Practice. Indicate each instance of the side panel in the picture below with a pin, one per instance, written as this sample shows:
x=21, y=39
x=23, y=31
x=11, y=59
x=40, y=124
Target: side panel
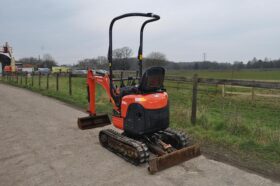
x=141, y=121
x=117, y=122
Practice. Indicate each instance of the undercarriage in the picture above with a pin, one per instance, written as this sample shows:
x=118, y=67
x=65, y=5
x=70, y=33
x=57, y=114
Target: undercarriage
x=161, y=150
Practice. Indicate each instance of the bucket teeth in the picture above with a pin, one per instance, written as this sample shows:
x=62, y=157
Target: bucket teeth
x=173, y=158
x=90, y=122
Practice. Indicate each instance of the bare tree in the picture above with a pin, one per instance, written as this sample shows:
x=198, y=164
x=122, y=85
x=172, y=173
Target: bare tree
x=122, y=53
x=48, y=61
x=48, y=57
x=127, y=52
x=87, y=63
x=121, y=56
x=102, y=62
x=155, y=59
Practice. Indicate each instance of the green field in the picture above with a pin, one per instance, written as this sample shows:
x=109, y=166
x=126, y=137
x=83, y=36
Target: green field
x=250, y=129
x=231, y=74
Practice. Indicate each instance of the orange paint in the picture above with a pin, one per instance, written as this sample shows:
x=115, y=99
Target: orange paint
x=117, y=122
x=148, y=101
x=8, y=69
x=104, y=81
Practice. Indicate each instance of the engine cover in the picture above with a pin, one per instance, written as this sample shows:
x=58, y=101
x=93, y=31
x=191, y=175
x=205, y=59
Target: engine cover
x=139, y=120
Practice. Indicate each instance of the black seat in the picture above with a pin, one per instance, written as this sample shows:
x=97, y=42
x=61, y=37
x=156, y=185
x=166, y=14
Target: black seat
x=152, y=80
x=128, y=90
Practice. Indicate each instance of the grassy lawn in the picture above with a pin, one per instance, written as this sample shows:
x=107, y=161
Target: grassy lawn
x=234, y=121
x=249, y=128
x=231, y=74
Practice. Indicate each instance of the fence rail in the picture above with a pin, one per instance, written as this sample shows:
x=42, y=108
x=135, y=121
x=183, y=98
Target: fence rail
x=234, y=82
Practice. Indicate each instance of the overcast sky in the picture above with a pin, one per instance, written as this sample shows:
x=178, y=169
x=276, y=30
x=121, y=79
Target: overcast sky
x=69, y=30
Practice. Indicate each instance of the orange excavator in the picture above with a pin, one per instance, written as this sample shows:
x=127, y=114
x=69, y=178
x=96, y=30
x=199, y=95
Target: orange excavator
x=7, y=61
x=140, y=110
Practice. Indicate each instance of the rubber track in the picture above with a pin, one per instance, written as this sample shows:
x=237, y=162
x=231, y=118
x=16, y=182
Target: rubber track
x=140, y=148
x=184, y=140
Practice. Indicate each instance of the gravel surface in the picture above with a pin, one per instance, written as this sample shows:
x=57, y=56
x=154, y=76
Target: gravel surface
x=40, y=144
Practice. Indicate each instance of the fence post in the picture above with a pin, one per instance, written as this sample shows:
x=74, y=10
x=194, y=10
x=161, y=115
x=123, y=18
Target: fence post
x=194, y=99
x=26, y=78
x=32, y=78
x=21, y=78
x=70, y=83
x=48, y=81
x=253, y=94
x=17, y=77
x=57, y=82
x=223, y=90
x=39, y=80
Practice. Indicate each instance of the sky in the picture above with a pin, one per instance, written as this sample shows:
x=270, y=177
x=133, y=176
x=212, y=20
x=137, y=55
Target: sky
x=72, y=30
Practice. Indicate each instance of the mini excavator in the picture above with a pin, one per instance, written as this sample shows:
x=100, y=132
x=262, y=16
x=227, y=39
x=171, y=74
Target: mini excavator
x=140, y=110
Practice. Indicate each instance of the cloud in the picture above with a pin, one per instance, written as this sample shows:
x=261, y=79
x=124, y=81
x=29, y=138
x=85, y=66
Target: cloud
x=71, y=30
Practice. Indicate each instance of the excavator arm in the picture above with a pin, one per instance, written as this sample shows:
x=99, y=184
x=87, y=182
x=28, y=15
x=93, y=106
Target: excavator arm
x=94, y=120
x=102, y=79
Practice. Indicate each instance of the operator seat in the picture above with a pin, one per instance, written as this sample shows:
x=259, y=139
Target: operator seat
x=151, y=82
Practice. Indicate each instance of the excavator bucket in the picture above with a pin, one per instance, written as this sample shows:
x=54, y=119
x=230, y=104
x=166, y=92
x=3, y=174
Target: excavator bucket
x=90, y=122
x=173, y=158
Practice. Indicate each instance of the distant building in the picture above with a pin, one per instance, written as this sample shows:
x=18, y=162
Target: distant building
x=26, y=65
x=29, y=70
x=19, y=66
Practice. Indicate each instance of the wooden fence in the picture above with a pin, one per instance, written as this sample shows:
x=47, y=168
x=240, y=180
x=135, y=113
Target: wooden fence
x=21, y=79
x=195, y=80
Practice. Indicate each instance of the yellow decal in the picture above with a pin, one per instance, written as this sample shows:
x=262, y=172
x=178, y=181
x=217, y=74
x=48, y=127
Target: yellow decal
x=140, y=57
x=140, y=99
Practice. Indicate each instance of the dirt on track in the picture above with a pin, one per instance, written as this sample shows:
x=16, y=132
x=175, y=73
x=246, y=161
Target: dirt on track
x=40, y=144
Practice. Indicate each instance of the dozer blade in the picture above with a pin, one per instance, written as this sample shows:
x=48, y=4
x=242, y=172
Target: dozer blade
x=173, y=158
x=90, y=122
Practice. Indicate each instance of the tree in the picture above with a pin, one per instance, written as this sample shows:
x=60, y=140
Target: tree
x=87, y=63
x=238, y=65
x=102, y=62
x=121, y=56
x=29, y=61
x=47, y=62
x=155, y=59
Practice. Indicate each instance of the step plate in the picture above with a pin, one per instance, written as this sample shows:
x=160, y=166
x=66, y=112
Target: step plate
x=173, y=158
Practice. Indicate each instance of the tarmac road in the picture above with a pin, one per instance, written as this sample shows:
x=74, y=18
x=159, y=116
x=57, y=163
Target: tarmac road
x=40, y=144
